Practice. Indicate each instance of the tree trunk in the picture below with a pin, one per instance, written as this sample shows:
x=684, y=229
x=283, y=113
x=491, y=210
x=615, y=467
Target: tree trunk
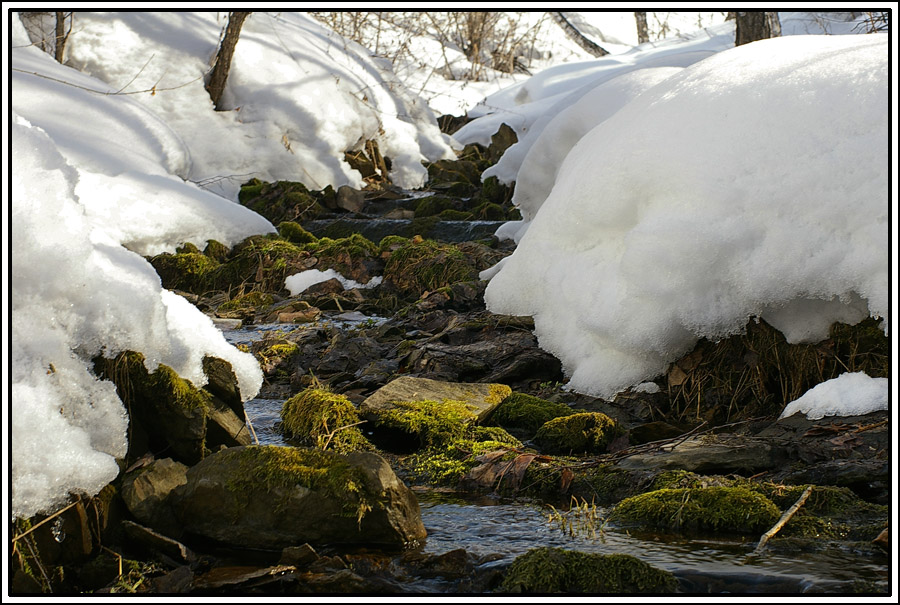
x=577, y=37
x=751, y=26
x=59, y=46
x=642, y=31
x=219, y=76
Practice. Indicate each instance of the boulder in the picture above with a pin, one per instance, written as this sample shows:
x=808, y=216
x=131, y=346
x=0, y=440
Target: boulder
x=482, y=398
x=146, y=490
x=719, y=454
x=274, y=497
x=350, y=199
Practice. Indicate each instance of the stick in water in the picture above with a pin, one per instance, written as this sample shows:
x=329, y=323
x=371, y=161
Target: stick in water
x=784, y=519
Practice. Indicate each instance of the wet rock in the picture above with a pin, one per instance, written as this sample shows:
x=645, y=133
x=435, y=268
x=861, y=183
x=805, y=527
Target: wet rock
x=330, y=286
x=346, y=354
x=275, y=497
x=298, y=556
x=146, y=491
x=580, y=433
x=178, y=581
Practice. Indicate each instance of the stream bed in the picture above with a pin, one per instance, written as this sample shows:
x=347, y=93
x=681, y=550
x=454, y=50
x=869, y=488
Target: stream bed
x=497, y=530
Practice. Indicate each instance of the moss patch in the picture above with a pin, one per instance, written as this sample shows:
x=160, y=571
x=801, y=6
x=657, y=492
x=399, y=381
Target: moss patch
x=189, y=271
x=426, y=265
x=316, y=417
x=716, y=509
x=283, y=200
x=330, y=474
x=247, y=302
x=527, y=413
x=555, y=570
x=432, y=423
x=585, y=432
x=294, y=233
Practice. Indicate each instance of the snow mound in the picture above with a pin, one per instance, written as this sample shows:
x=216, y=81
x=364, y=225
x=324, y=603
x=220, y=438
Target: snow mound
x=850, y=394
x=298, y=96
x=752, y=184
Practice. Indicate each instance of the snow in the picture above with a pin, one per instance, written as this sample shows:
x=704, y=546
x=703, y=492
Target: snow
x=119, y=155
x=751, y=184
x=298, y=96
x=298, y=282
x=850, y=394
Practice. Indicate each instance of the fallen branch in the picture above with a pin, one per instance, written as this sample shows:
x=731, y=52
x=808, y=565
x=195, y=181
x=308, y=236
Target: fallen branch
x=784, y=519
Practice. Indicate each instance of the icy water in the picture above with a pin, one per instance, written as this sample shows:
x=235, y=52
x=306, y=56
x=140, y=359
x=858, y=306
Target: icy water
x=500, y=530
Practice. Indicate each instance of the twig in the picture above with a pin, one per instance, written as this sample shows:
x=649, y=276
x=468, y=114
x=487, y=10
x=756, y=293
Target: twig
x=250, y=424
x=784, y=519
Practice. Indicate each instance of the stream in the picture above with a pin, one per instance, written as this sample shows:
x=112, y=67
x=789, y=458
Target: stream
x=497, y=530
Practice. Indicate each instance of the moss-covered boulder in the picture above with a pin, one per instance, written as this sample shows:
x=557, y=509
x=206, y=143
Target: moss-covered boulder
x=583, y=432
x=284, y=200
x=262, y=262
x=168, y=413
x=245, y=305
x=189, y=271
x=319, y=418
x=295, y=233
x=273, y=497
x=426, y=265
x=713, y=509
x=555, y=570
x=526, y=413
x=354, y=257
x=480, y=398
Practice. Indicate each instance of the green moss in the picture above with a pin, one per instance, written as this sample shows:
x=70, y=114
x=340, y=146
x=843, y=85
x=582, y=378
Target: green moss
x=263, y=260
x=434, y=423
x=346, y=255
x=317, y=417
x=555, y=570
x=585, y=432
x=189, y=271
x=433, y=205
x=521, y=411
x=804, y=525
x=455, y=215
x=187, y=248
x=249, y=301
x=283, y=200
x=294, y=233
x=426, y=265
x=675, y=479
x=489, y=211
x=495, y=433
x=389, y=243
x=216, y=250
x=423, y=225
x=318, y=470
x=447, y=464
x=716, y=509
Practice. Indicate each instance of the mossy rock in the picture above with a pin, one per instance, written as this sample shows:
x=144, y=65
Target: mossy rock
x=295, y=233
x=350, y=256
x=247, y=303
x=583, y=432
x=714, y=509
x=527, y=413
x=216, y=250
x=263, y=261
x=428, y=423
x=189, y=271
x=555, y=570
x=455, y=215
x=435, y=204
x=319, y=418
x=489, y=211
x=284, y=200
x=426, y=265
x=389, y=243
x=187, y=248
x=493, y=191
x=447, y=464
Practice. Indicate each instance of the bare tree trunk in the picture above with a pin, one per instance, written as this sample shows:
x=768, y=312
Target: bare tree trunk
x=642, y=31
x=219, y=76
x=577, y=37
x=751, y=26
x=62, y=34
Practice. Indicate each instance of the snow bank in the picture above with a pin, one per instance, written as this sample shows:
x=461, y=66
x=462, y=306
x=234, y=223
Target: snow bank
x=299, y=96
x=542, y=96
x=753, y=183
x=298, y=282
x=850, y=394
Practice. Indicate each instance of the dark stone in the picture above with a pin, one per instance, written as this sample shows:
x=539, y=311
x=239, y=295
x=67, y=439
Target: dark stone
x=154, y=543
x=146, y=491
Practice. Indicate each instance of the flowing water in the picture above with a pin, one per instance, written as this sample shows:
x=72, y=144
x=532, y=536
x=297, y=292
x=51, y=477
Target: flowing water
x=500, y=530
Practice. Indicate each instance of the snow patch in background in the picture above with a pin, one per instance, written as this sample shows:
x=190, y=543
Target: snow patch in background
x=850, y=394
x=299, y=282
x=751, y=184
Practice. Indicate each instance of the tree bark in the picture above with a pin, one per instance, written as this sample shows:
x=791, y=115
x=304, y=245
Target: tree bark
x=219, y=76
x=643, y=31
x=751, y=26
x=59, y=46
x=577, y=37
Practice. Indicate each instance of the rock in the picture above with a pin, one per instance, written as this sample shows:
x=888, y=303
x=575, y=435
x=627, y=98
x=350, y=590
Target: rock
x=306, y=316
x=526, y=414
x=481, y=398
x=722, y=454
x=146, y=491
x=501, y=140
x=555, y=570
x=580, y=433
x=178, y=581
x=884, y=539
x=155, y=544
x=329, y=286
x=298, y=556
x=350, y=199
x=275, y=497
